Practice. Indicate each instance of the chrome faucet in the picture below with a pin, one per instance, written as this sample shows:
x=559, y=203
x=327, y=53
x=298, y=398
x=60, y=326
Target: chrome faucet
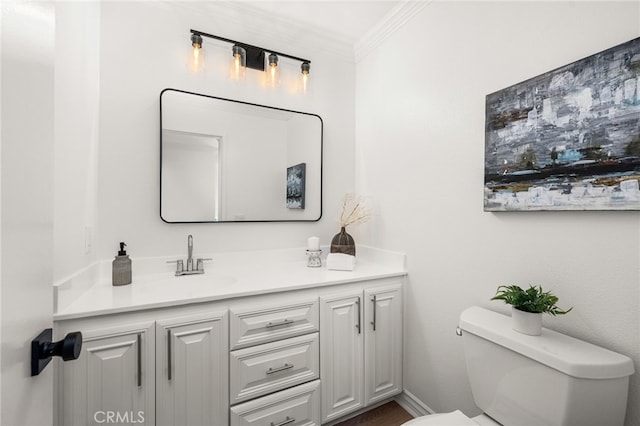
x=190, y=270
x=190, y=253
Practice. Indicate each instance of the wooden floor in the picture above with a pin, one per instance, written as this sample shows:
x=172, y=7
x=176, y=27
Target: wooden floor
x=390, y=414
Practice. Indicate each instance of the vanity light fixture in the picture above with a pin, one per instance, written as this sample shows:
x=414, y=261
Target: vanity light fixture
x=246, y=56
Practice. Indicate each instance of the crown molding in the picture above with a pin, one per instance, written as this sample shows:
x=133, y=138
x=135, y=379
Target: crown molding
x=260, y=27
x=393, y=21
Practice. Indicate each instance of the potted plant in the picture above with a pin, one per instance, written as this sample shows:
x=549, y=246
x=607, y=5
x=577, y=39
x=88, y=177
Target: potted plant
x=528, y=306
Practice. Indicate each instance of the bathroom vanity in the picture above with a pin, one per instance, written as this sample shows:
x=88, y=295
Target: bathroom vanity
x=273, y=343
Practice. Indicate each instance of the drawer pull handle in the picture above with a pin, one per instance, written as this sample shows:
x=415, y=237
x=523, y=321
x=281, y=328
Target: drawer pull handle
x=275, y=370
x=168, y=354
x=284, y=422
x=358, y=325
x=375, y=302
x=278, y=324
x=139, y=360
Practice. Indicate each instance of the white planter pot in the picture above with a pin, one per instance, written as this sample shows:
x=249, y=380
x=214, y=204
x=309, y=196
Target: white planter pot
x=526, y=322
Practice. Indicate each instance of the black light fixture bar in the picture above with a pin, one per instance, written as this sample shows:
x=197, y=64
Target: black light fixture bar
x=252, y=51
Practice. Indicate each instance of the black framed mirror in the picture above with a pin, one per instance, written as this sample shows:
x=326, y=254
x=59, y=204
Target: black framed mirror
x=223, y=160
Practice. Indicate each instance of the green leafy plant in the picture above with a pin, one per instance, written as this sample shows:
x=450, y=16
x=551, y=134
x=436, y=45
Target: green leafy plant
x=533, y=299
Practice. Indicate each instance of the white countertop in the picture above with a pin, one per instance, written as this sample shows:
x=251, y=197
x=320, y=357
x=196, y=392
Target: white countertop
x=228, y=275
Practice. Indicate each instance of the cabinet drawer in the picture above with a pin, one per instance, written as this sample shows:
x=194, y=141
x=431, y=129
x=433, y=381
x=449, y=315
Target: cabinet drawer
x=250, y=327
x=267, y=368
x=296, y=406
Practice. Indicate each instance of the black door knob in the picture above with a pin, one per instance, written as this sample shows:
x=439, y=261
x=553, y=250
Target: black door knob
x=67, y=348
x=42, y=349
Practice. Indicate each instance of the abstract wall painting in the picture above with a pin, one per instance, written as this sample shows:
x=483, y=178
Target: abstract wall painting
x=568, y=139
x=296, y=186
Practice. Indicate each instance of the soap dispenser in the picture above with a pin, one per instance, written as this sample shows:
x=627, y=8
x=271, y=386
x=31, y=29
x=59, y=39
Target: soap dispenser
x=121, y=269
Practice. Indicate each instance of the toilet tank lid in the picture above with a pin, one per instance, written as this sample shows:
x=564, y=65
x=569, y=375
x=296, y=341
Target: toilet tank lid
x=569, y=355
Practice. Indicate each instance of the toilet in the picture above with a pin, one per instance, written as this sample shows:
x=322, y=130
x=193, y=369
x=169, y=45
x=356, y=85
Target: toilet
x=522, y=380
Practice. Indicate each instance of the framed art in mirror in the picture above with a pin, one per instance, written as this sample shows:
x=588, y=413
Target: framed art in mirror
x=296, y=183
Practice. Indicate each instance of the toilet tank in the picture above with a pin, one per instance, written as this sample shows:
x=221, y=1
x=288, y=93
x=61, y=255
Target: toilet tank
x=551, y=379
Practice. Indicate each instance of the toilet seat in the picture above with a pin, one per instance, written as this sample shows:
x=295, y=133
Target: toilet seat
x=454, y=418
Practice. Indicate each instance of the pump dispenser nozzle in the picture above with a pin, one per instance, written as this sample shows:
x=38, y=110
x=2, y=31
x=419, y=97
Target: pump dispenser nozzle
x=122, y=251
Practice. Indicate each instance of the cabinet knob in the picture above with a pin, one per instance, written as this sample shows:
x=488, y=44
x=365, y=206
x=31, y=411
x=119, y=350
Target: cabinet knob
x=43, y=349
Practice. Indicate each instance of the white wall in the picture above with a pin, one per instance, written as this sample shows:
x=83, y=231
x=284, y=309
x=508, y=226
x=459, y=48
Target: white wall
x=77, y=72
x=143, y=50
x=420, y=149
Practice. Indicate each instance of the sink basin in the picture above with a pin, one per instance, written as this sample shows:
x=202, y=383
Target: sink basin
x=204, y=280
x=185, y=285
x=202, y=285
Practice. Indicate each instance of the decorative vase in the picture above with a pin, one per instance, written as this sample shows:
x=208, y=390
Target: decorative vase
x=343, y=243
x=526, y=322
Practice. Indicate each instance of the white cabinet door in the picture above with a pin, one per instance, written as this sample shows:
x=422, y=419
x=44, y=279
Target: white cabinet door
x=192, y=380
x=360, y=348
x=111, y=381
x=383, y=343
x=341, y=357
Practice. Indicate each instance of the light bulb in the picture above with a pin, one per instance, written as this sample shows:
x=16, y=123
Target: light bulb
x=305, y=67
x=238, y=63
x=195, y=61
x=273, y=73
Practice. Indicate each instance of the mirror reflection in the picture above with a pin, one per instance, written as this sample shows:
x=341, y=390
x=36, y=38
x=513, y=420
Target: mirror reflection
x=229, y=161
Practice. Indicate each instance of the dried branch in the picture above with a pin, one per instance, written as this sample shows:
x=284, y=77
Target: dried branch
x=353, y=210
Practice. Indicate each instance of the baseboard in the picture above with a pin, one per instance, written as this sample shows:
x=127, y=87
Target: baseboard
x=406, y=400
x=358, y=412
x=412, y=404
